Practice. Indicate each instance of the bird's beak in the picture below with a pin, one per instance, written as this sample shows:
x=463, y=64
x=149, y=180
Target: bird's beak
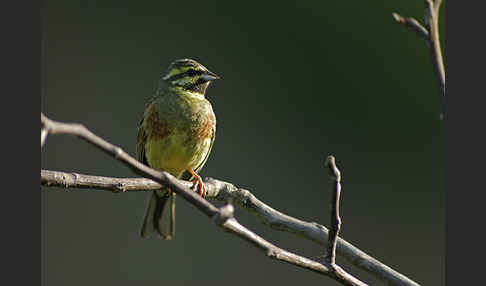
x=209, y=76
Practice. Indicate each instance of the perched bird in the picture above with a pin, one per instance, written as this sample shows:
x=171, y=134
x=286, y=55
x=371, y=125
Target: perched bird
x=176, y=135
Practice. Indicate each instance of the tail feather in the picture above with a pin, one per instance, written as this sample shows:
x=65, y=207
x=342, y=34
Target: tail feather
x=160, y=216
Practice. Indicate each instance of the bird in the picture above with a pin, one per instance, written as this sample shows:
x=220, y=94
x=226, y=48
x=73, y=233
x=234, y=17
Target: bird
x=176, y=135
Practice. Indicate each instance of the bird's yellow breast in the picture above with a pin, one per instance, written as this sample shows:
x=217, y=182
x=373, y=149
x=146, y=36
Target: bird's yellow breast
x=172, y=155
x=179, y=133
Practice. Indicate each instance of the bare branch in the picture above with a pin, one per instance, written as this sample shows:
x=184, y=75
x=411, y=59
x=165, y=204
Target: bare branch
x=437, y=4
x=434, y=48
x=413, y=25
x=43, y=136
x=81, y=181
x=223, y=217
x=335, y=218
x=224, y=191
x=431, y=38
x=43, y=132
x=285, y=256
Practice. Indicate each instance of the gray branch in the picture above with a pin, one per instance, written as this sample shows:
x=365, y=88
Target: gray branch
x=224, y=191
x=431, y=38
x=223, y=217
x=414, y=26
x=43, y=136
x=335, y=218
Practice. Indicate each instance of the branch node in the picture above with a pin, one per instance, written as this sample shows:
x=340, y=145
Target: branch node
x=65, y=183
x=271, y=253
x=334, y=171
x=119, y=188
x=225, y=213
x=118, y=152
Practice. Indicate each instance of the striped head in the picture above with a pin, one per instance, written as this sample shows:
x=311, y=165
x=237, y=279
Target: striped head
x=189, y=75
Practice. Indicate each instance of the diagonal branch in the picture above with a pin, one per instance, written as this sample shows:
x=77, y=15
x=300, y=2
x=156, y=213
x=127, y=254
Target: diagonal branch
x=53, y=127
x=431, y=38
x=224, y=191
x=223, y=217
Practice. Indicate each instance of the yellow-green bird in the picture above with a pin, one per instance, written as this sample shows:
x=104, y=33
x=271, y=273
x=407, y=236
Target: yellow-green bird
x=176, y=135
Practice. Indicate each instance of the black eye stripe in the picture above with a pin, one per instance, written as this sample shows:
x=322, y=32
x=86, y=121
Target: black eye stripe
x=193, y=72
x=190, y=72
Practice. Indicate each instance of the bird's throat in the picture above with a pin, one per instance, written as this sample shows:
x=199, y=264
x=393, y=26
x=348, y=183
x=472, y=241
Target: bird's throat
x=189, y=93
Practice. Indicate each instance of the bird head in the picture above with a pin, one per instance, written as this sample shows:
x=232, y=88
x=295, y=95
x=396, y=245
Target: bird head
x=189, y=75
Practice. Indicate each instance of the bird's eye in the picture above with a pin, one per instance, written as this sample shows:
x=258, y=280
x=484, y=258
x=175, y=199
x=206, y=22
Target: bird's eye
x=191, y=72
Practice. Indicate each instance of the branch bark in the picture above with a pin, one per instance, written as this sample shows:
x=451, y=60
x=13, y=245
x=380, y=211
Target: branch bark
x=431, y=38
x=224, y=191
x=223, y=216
x=335, y=218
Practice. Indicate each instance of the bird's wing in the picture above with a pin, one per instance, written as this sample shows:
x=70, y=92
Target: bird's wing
x=140, y=149
x=142, y=135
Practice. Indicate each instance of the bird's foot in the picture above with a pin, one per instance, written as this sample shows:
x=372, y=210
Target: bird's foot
x=198, y=184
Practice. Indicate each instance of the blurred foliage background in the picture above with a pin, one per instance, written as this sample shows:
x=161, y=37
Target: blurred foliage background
x=300, y=80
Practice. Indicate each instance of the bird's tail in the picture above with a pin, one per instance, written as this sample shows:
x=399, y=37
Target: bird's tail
x=160, y=215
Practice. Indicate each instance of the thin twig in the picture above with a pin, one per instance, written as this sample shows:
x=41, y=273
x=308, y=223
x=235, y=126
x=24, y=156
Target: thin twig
x=224, y=191
x=435, y=50
x=43, y=133
x=43, y=136
x=431, y=38
x=335, y=218
x=413, y=25
x=221, y=216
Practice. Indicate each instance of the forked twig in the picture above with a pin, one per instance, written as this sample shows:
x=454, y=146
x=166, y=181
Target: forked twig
x=431, y=38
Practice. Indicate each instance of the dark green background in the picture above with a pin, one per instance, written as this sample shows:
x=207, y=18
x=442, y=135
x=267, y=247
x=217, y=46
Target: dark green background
x=301, y=80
